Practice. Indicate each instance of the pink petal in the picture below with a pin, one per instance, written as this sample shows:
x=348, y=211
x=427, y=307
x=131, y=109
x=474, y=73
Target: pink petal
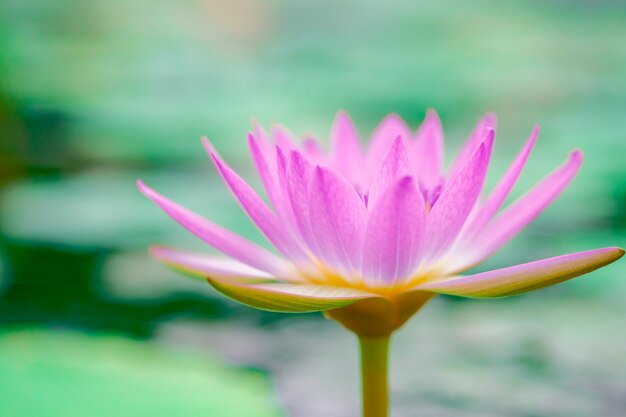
x=502, y=190
x=337, y=218
x=457, y=200
x=526, y=277
x=203, y=265
x=208, y=146
x=283, y=137
x=267, y=173
x=395, y=165
x=313, y=150
x=524, y=210
x=385, y=133
x=394, y=234
x=258, y=211
x=221, y=239
x=272, y=173
x=473, y=142
x=347, y=158
x=428, y=151
x=298, y=180
x=262, y=137
x=285, y=211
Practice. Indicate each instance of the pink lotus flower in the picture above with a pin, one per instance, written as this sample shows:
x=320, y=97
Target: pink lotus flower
x=370, y=235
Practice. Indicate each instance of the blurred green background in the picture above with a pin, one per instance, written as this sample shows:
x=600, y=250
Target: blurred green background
x=95, y=94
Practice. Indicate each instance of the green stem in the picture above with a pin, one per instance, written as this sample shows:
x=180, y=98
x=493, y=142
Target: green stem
x=374, y=358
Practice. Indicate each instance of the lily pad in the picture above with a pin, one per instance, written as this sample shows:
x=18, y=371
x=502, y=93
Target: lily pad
x=62, y=373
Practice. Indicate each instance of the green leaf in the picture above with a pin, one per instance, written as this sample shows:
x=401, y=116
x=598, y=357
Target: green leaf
x=61, y=374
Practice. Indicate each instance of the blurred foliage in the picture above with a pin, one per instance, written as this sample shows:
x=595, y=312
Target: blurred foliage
x=64, y=373
x=96, y=94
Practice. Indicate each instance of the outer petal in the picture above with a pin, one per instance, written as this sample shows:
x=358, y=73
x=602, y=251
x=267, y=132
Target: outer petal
x=202, y=265
x=428, y=151
x=395, y=165
x=221, y=239
x=289, y=298
x=524, y=210
x=347, y=158
x=457, y=200
x=502, y=190
x=526, y=277
x=394, y=234
x=337, y=218
x=258, y=211
x=271, y=166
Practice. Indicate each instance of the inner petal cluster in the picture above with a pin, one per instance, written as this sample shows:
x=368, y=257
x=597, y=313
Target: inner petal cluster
x=375, y=219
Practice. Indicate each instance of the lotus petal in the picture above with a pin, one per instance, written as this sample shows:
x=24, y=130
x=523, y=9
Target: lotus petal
x=428, y=151
x=347, y=158
x=258, y=211
x=504, y=227
x=337, y=218
x=221, y=239
x=447, y=217
x=394, y=233
x=395, y=165
x=522, y=278
x=203, y=265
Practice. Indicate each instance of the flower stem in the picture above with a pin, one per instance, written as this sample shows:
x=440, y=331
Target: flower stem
x=374, y=358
